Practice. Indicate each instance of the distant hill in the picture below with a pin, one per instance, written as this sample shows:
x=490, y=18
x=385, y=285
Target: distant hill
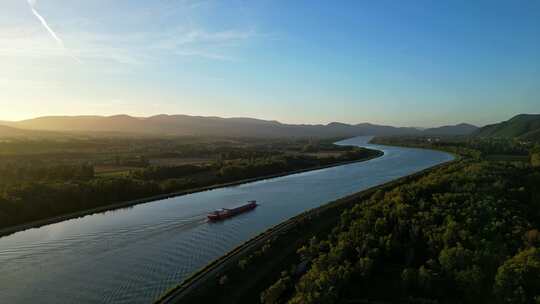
x=459, y=129
x=532, y=135
x=198, y=125
x=178, y=125
x=525, y=126
x=10, y=132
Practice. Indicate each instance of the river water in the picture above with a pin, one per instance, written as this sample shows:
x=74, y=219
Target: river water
x=135, y=254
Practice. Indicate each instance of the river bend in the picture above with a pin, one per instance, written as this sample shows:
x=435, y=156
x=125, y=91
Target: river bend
x=133, y=255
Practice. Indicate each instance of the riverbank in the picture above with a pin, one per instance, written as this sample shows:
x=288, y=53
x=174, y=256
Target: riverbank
x=127, y=204
x=281, y=242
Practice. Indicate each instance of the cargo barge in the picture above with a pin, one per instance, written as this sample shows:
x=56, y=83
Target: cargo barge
x=225, y=213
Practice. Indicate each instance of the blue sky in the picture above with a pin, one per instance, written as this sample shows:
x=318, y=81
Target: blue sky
x=407, y=63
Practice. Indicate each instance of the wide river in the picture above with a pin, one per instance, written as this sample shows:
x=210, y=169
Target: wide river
x=133, y=255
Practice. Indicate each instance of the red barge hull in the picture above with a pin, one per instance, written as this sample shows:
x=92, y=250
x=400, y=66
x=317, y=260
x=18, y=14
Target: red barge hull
x=225, y=213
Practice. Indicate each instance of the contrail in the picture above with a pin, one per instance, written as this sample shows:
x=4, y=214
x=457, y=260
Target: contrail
x=32, y=4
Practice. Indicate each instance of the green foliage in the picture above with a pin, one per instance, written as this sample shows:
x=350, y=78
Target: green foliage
x=247, y=168
x=168, y=172
x=12, y=173
x=35, y=200
x=518, y=279
x=535, y=156
x=442, y=237
x=535, y=159
x=323, y=283
x=42, y=179
x=472, y=147
x=275, y=292
x=519, y=126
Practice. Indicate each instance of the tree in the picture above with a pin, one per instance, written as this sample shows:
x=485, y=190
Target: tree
x=518, y=279
x=454, y=258
x=273, y=294
x=409, y=276
x=535, y=159
x=425, y=279
x=535, y=156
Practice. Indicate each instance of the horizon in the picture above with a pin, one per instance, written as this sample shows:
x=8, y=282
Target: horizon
x=269, y=120
x=243, y=117
x=269, y=151
x=417, y=64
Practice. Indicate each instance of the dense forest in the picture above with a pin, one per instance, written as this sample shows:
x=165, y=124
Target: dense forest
x=464, y=233
x=475, y=147
x=41, y=179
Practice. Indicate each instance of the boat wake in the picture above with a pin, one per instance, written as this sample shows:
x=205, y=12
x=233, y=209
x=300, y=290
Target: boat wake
x=100, y=241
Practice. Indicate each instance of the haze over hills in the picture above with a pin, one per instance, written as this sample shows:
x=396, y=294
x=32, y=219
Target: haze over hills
x=524, y=126
x=459, y=129
x=9, y=131
x=181, y=125
x=6, y=131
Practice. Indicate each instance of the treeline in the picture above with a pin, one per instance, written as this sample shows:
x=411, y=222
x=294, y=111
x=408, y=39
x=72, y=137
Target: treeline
x=12, y=173
x=29, y=201
x=247, y=168
x=30, y=191
x=167, y=172
x=466, y=233
x=227, y=170
x=140, y=151
x=471, y=147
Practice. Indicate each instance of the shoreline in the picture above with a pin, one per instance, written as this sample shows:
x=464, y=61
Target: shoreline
x=115, y=206
x=193, y=281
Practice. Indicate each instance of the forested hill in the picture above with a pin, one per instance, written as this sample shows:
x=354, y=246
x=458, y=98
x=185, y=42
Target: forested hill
x=459, y=129
x=467, y=233
x=523, y=126
x=181, y=125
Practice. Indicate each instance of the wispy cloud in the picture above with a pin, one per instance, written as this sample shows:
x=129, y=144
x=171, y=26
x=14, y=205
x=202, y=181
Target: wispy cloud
x=137, y=45
x=202, y=43
x=131, y=49
x=32, y=4
x=181, y=37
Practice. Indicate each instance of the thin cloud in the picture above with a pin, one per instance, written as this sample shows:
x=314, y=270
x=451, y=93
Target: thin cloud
x=140, y=47
x=32, y=4
x=204, y=54
x=201, y=43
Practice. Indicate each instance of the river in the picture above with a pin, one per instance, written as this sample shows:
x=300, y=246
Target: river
x=135, y=254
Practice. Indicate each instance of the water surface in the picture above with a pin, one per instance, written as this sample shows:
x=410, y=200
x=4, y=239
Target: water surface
x=135, y=254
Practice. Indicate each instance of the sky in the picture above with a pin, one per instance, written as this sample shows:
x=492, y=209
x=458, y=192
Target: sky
x=403, y=63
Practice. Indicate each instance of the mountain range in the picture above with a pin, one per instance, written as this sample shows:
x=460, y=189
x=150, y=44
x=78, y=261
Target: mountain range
x=181, y=125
